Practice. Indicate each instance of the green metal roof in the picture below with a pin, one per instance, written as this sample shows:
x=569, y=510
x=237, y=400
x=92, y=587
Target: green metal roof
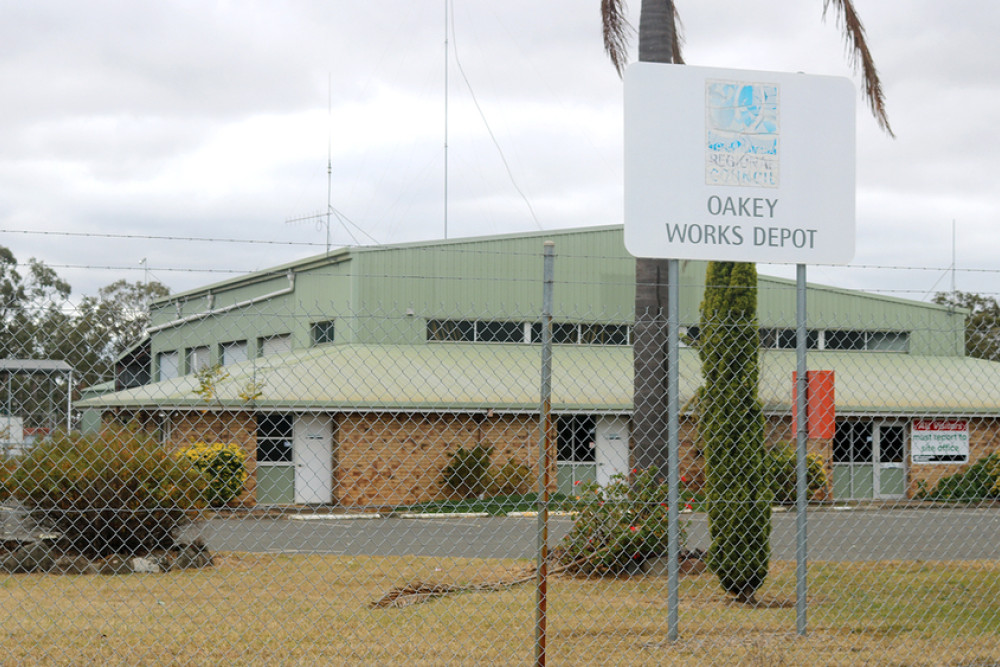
x=469, y=376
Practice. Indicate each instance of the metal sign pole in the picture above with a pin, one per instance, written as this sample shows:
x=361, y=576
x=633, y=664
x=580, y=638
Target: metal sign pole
x=673, y=448
x=801, y=435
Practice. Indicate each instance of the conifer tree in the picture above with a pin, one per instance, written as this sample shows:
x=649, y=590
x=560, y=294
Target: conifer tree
x=731, y=425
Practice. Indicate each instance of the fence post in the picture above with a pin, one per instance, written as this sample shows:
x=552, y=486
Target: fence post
x=544, y=443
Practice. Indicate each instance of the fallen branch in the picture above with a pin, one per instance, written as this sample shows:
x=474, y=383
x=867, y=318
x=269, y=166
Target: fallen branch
x=412, y=594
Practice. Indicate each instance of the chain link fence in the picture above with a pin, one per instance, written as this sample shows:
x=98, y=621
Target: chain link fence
x=326, y=465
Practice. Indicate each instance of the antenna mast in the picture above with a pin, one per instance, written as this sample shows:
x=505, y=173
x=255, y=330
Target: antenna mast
x=446, y=118
x=326, y=218
x=329, y=154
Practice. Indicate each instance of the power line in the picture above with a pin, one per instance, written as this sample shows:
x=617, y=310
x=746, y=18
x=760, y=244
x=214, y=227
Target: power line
x=150, y=269
x=149, y=237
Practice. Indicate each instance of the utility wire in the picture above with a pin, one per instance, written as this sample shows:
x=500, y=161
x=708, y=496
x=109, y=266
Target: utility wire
x=489, y=130
x=149, y=237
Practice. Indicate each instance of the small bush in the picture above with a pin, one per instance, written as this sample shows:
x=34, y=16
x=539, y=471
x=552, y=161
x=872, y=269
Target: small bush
x=780, y=461
x=7, y=468
x=468, y=472
x=510, y=479
x=115, y=492
x=620, y=525
x=981, y=481
x=223, y=465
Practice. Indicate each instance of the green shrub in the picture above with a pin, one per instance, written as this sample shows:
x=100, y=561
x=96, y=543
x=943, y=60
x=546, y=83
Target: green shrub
x=510, y=479
x=118, y=491
x=224, y=467
x=7, y=468
x=780, y=461
x=468, y=472
x=620, y=525
x=981, y=481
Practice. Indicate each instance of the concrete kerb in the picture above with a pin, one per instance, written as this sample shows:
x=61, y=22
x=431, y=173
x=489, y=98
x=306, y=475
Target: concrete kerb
x=341, y=514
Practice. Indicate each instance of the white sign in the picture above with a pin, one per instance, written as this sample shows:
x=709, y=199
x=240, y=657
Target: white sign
x=939, y=441
x=738, y=165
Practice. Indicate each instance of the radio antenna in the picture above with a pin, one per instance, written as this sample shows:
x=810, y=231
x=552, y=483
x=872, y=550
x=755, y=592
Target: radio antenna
x=324, y=219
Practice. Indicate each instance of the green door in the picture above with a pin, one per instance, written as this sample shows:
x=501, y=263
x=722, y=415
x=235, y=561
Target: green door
x=853, y=472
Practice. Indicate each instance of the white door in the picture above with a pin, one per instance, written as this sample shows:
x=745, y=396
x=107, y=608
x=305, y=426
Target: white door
x=312, y=455
x=612, y=447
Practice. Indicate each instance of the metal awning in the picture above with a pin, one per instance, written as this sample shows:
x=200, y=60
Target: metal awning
x=33, y=366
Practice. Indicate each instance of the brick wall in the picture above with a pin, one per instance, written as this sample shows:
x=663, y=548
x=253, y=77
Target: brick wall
x=186, y=428
x=395, y=459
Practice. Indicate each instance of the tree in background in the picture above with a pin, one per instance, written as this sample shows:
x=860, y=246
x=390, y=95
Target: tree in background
x=38, y=320
x=25, y=299
x=116, y=319
x=982, y=324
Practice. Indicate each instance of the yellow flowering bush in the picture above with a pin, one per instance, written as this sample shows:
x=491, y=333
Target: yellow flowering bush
x=223, y=464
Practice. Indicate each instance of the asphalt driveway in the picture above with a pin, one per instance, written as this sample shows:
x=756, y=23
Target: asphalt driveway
x=835, y=535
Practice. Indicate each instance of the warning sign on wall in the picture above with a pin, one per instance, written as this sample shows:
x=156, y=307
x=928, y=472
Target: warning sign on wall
x=939, y=441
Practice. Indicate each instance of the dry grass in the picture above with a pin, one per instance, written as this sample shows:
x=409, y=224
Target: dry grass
x=310, y=609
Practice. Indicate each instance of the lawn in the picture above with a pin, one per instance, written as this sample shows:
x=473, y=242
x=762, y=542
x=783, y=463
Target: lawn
x=314, y=609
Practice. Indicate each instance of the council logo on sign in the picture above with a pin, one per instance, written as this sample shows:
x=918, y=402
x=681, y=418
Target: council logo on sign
x=741, y=134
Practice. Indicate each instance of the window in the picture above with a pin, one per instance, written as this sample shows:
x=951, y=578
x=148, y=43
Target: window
x=786, y=339
x=574, y=333
x=275, y=345
x=233, y=352
x=852, y=442
x=888, y=341
x=819, y=339
x=499, y=332
x=511, y=331
x=576, y=438
x=844, y=339
x=454, y=331
x=562, y=332
x=168, y=365
x=322, y=332
x=198, y=358
x=604, y=334
x=274, y=438
x=689, y=336
x=850, y=339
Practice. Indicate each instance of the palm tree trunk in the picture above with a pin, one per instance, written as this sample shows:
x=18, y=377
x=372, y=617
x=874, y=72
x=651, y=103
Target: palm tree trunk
x=656, y=31
x=649, y=335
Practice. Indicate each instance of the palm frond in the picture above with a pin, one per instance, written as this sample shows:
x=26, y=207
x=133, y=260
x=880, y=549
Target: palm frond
x=859, y=55
x=617, y=32
x=678, y=41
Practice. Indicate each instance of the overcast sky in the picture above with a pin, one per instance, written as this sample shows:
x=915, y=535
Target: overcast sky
x=210, y=119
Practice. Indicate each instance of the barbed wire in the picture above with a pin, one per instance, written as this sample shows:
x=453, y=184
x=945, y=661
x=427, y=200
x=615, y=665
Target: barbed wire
x=155, y=237
x=449, y=246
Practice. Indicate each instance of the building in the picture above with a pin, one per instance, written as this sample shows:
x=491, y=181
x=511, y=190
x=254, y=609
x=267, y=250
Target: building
x=350, y=377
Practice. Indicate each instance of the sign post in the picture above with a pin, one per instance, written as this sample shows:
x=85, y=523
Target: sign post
x=737, y=166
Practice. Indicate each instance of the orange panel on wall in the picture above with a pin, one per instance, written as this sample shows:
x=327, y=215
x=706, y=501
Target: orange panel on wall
x=820, y=422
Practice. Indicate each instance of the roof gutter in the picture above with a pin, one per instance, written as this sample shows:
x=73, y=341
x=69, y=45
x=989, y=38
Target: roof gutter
x=225, y=309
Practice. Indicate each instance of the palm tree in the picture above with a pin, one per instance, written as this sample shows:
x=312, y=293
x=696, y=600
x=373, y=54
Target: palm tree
x=660, y=41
